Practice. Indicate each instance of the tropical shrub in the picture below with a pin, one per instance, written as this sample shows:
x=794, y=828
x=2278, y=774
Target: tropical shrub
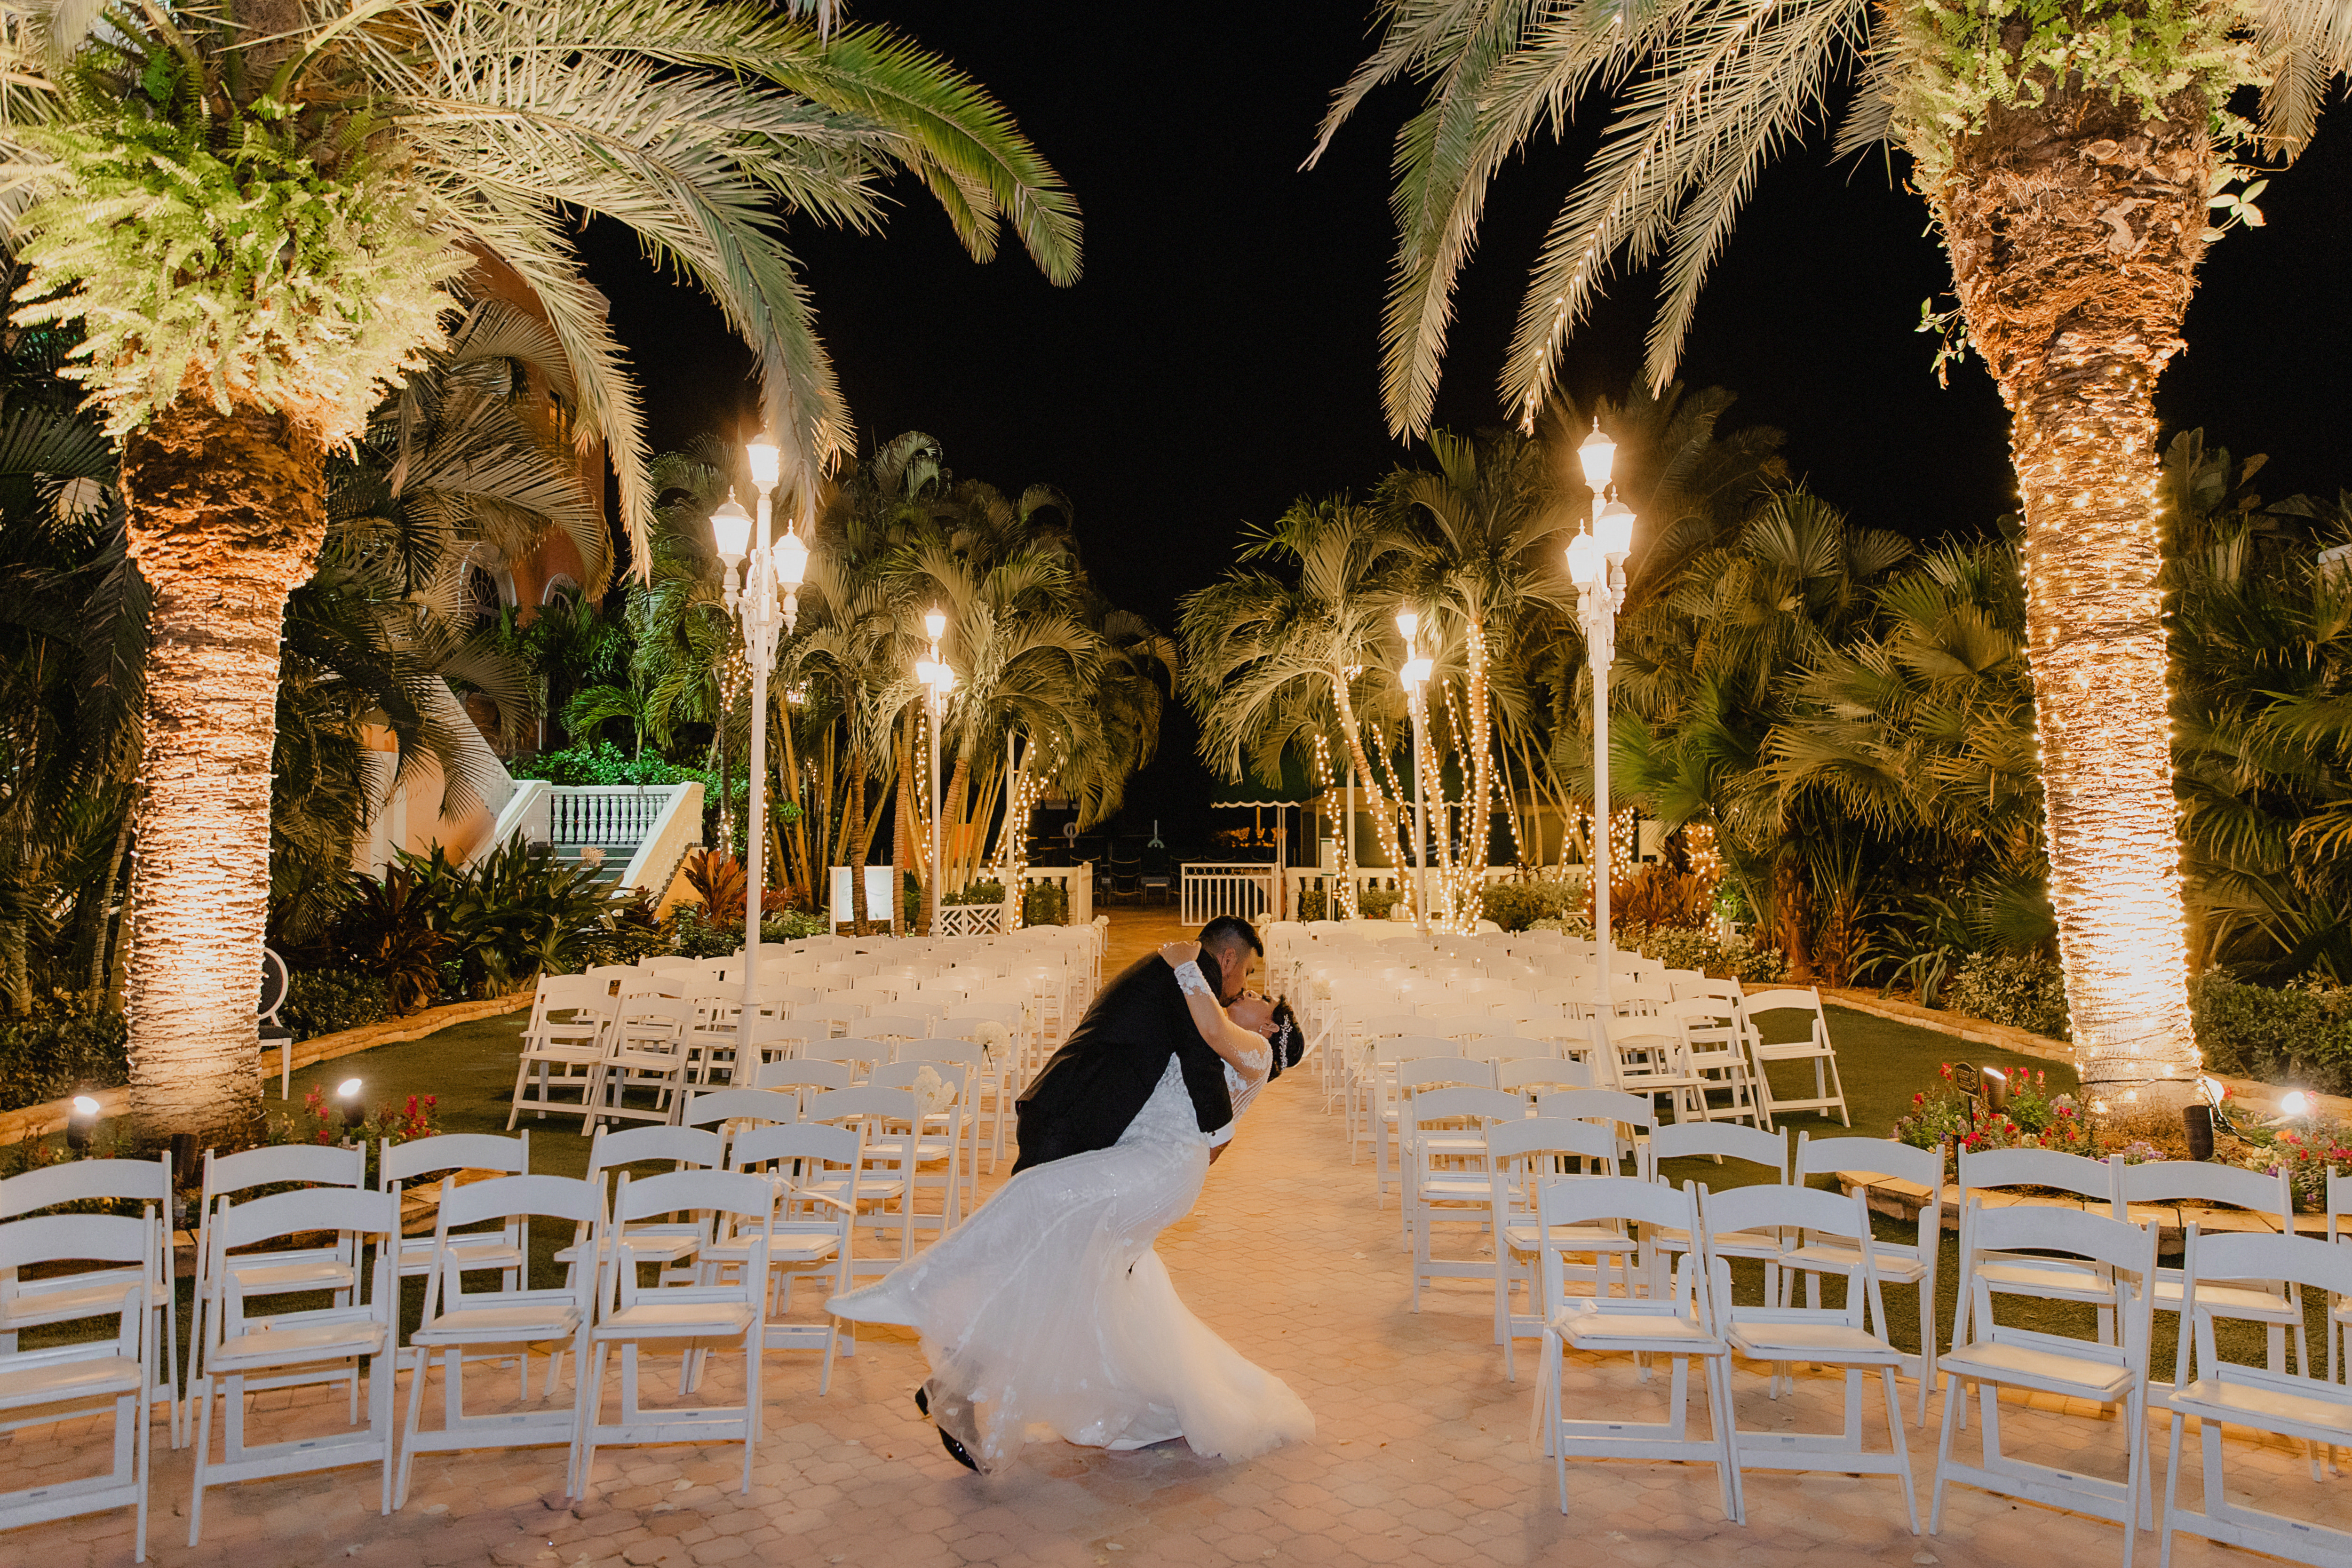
x=321, y=1121
x=691, y=933
x=386, y=931
x=1312, y=904
x=2308, y=1155
x=67, y=1043
x=981, y=893
x=2020, y=992
x=2300, y=1035
x=516, y=913
x=794, y=925
x=603, y=763
x=323, y=1001
x=1377, y=902
x=719, y=881
x=623, y=932
x=1515, y=906
x=1046, y=904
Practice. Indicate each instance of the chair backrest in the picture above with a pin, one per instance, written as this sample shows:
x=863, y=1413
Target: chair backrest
x=453, y=1151
x=76, y=1238
x=1403, y=1048
x=699, y=1192
x=517, y=1197
x=2225, y=1258
x=81, y=1181
x=1606, y=1105
x=1685, y=1140
x=727, y=1108
x=317, y=1164
x=861, y=1053
x=1409, y=1025
x=1774, y=1207
x=864, y=1102
x=642, y=1019
x=353, y=1212
x=1423, y=1074
x=1582, y=1200
x=2171, y=1180
x=806, y=1072
x=894, y=1027
x=1986, y=1169
x=1561, y=1135
x=683, y=1145
x=1785, y=999
x=1466, y=1102
x=1542, y=1072
x=1868, y=1157
x=794, y=1141
x=967, y=1052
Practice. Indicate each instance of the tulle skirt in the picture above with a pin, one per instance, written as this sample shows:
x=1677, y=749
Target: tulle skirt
x=1048, y=1309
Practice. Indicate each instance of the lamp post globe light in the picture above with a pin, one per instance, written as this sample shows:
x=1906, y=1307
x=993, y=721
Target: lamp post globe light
x=743, y=545
x=1596, y=564
x=937, y=679
x=1415, y=675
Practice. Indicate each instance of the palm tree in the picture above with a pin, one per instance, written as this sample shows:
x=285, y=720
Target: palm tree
x=318, y=172
x=2069, y=158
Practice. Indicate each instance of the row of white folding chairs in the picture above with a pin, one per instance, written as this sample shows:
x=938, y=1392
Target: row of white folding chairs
x=1688, y=1313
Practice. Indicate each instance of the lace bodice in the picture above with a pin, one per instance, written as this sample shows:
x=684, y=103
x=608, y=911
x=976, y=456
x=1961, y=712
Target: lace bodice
x=1168, y=1117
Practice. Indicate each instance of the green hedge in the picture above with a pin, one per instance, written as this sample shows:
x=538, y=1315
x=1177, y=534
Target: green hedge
x=323, y=1001
x=62, y=1047
x=2299, y=1035
x=2022, y=992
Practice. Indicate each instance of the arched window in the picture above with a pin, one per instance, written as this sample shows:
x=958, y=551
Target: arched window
x=483, y=599
x=560, y=587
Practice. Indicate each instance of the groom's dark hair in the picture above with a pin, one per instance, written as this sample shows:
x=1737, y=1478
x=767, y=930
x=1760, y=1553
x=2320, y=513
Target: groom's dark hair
x=1232, y=930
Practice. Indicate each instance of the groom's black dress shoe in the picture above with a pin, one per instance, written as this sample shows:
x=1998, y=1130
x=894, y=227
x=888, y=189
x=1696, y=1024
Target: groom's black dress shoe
x=955, y=1449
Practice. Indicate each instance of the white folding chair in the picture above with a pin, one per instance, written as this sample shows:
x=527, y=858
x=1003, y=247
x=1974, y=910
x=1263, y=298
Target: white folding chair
x=861, y=1056
x=1541, y=1075
x=2263, y=1196
x=1913, y=1263
x=1718, y=1141
x=1812, y=1046
x=2028, y=1273
x=1446, y=1176
x=46, y=1299
x=511, y=1320
x=1649, y=1057
x=940, y=1156
x=399, y=1164
x=1674, y=1318
x=245, y=1351
x=1521, y=1155
x=1781, y=1335
x=1997, y=1357
x=887, y=1121
x=647, y=1048
x=84, y=1377
x=563, y=1047
x=990, y=1089
x=814, y=1172
x=668, y=1242
x=282, y=1272
x=801, y=1077
x=1717, y=1049
x=2298, y=1407
x=696, y=1317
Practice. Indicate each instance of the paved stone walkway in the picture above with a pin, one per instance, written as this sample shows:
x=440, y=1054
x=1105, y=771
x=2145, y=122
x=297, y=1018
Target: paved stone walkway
x=1423, y=1454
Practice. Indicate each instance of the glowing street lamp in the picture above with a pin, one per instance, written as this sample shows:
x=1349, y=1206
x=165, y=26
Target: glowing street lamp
x=1415, y=675
x=743, y=543
x=937, y=679
x=1596, y=564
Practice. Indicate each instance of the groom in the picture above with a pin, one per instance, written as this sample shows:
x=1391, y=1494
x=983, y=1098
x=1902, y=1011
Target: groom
x=1094, y=1086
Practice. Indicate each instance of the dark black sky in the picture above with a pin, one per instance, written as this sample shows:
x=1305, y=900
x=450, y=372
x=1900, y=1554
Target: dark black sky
x=1219, y=357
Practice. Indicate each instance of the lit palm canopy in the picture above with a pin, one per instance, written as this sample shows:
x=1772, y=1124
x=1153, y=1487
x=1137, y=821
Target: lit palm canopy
x=373, y=144
x=2072, y=158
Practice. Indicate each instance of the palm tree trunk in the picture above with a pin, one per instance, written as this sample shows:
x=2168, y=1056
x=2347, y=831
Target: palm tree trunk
x=2075, y=228
x=904, y=825
x=227, y=512
x=853, y=819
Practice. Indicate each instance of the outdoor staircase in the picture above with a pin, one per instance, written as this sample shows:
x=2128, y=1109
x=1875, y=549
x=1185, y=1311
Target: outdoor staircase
x=642, y=832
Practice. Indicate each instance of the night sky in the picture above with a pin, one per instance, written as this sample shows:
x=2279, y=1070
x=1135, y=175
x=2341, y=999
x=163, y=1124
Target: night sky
x=1219, y=358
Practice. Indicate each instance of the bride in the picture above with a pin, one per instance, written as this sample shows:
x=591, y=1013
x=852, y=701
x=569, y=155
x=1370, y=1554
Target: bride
x=1049, y=1306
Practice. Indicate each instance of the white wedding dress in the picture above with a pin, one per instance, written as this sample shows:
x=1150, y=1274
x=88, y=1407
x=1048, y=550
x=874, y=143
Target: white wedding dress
x=1049, y=1308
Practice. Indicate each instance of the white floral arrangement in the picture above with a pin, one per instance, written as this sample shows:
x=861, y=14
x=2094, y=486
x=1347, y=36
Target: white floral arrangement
x=936, y=1094
x=993, y=1036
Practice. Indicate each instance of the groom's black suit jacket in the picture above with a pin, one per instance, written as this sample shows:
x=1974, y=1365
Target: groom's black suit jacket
x=1094, y=1086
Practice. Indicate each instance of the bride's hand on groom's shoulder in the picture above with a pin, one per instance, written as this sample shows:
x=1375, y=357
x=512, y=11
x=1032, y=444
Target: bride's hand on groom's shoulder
x=1177, y=954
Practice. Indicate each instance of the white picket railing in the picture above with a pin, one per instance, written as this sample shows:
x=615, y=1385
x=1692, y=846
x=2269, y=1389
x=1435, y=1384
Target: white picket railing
x=1214, y=888
x=616, y=816
x=970, y=920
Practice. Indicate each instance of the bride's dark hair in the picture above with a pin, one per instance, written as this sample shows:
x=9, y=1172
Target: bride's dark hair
x=1288, y=1039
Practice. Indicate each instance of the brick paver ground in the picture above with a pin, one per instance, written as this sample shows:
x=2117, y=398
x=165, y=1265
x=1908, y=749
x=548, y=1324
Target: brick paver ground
x=1423, y=1452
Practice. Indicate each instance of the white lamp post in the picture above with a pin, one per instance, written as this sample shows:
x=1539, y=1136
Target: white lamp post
x=1415, y=675
x=768, y=568
x=1596, y=564
x=938, y=681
